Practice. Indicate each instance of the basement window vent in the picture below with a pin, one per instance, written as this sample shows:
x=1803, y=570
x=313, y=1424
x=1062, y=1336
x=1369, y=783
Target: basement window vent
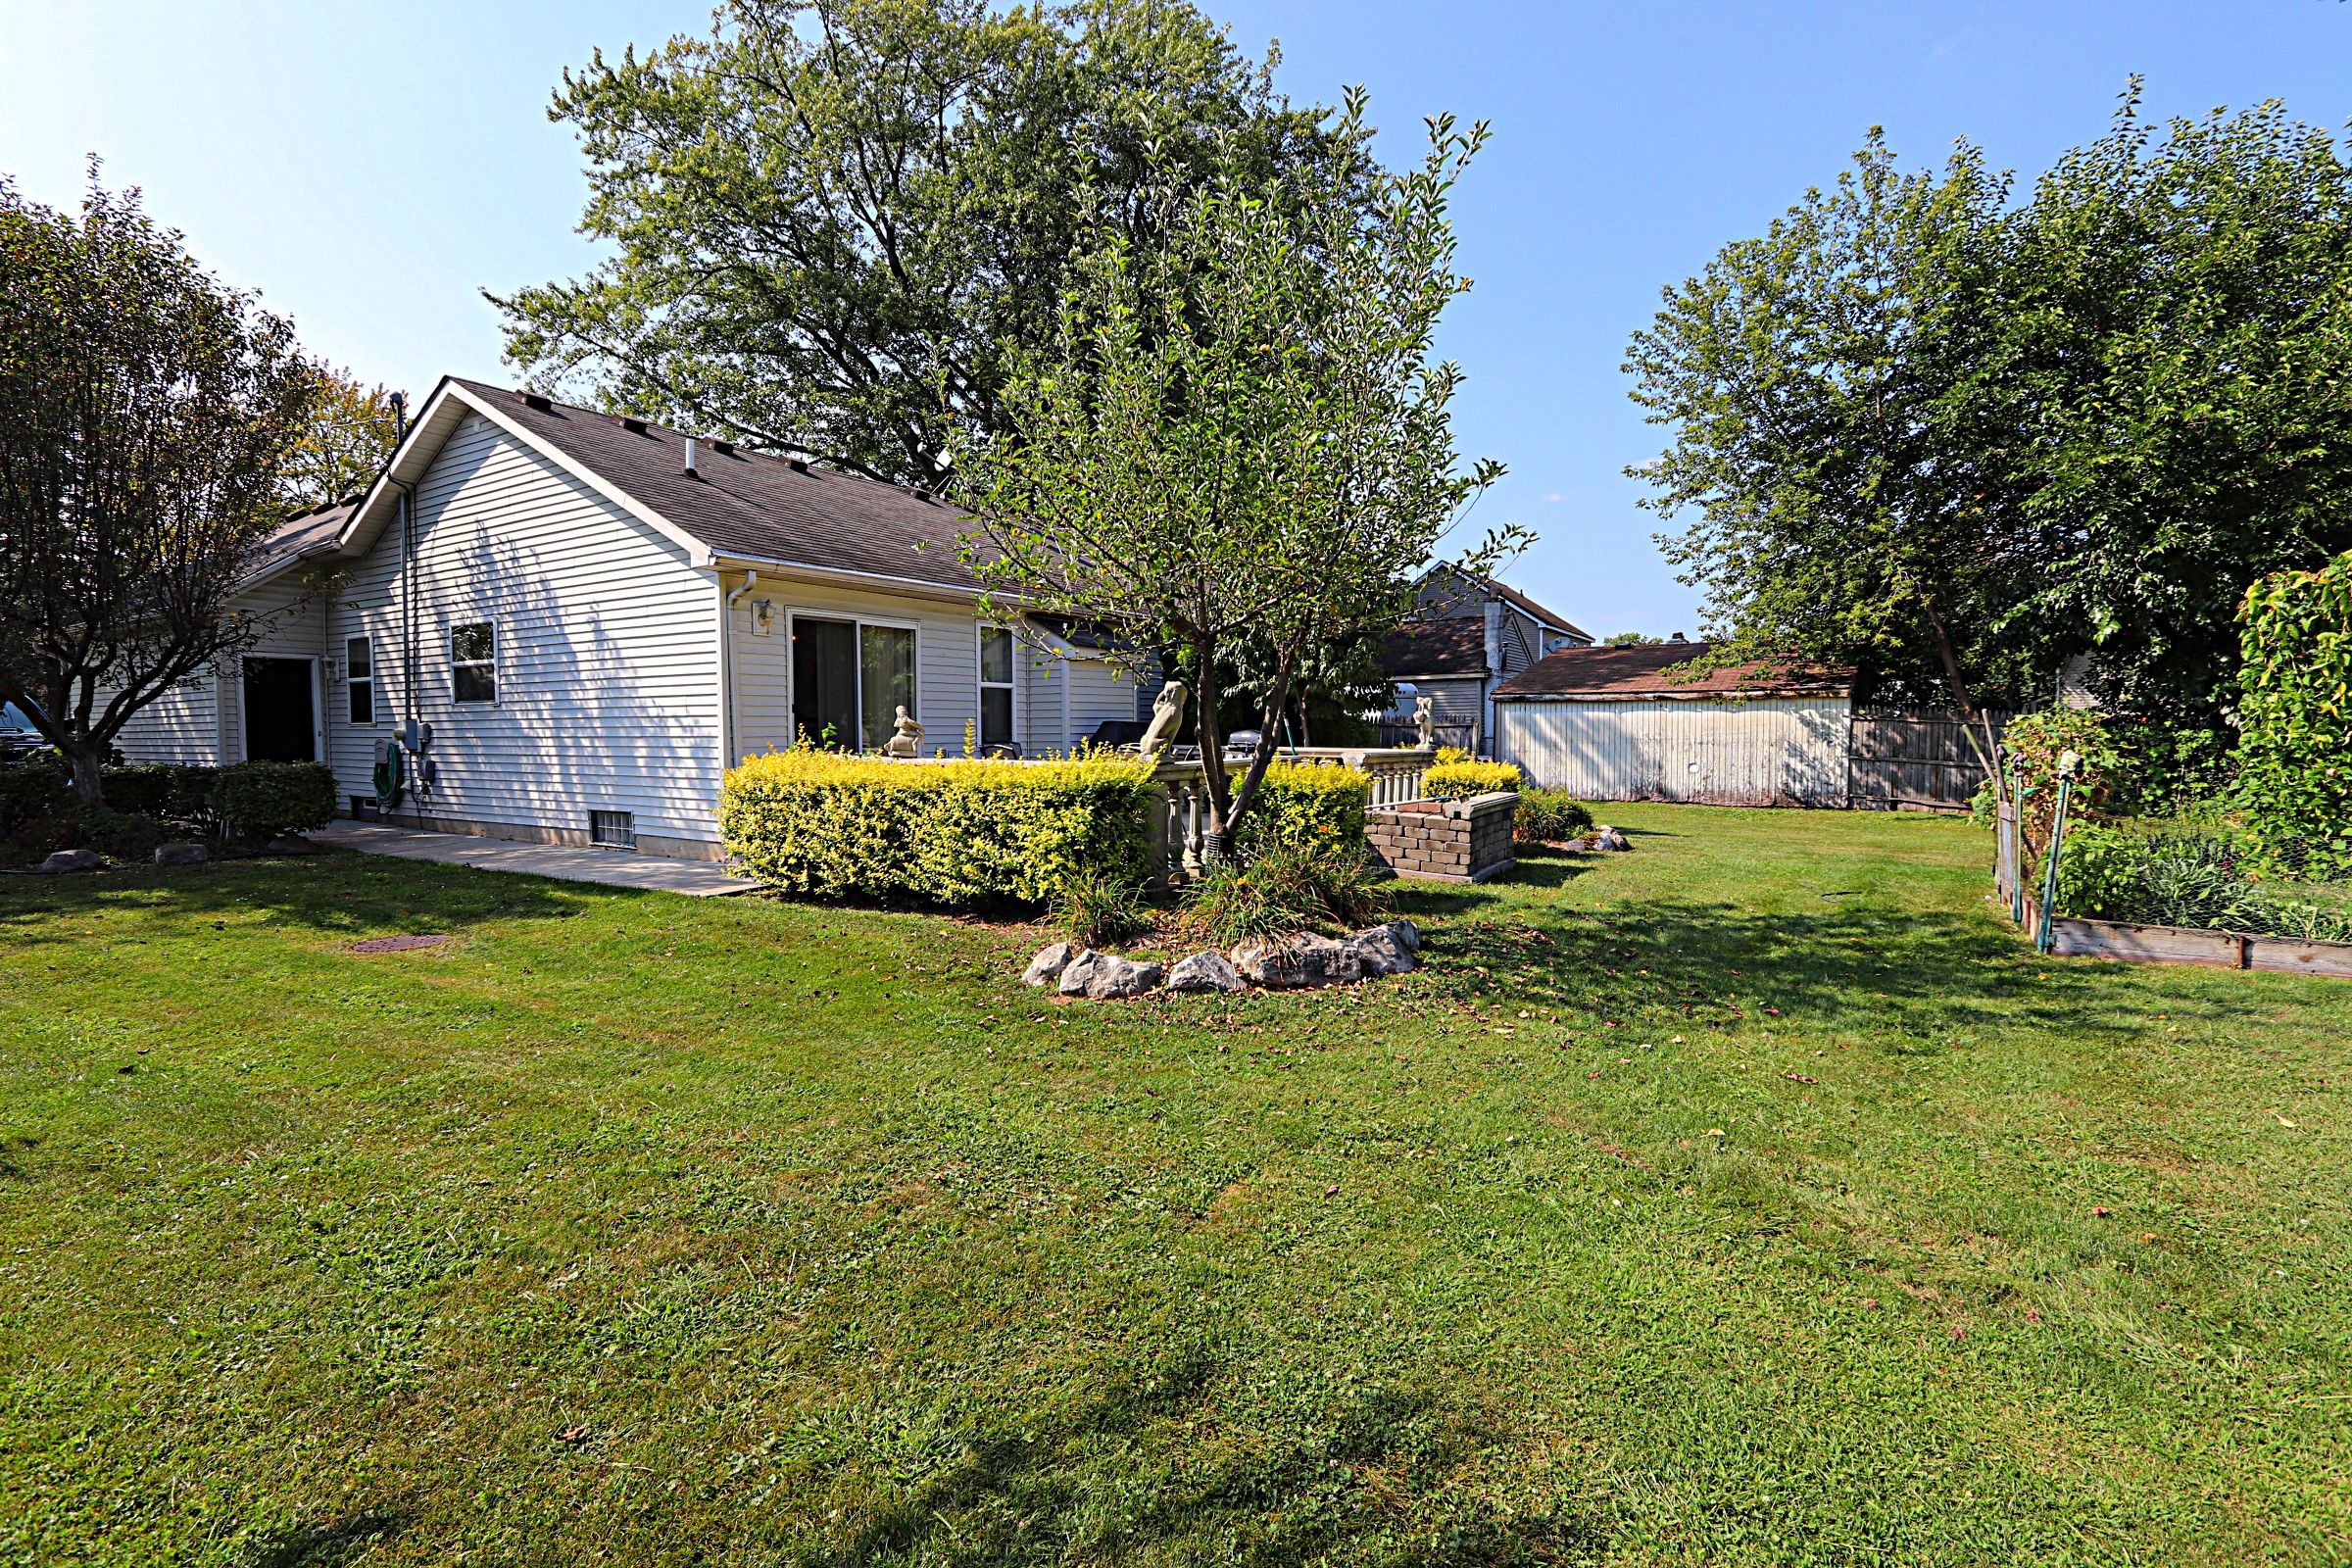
x=615, y=830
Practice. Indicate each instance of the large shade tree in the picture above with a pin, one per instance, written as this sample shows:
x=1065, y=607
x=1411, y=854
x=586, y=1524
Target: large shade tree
x=1239, y=448
x=831, y=221
x=350, y=437
x=145, y=411
x=1965, y=443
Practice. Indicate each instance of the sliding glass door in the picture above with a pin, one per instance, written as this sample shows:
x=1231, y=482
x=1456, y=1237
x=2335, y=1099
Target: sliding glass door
x=848, y=681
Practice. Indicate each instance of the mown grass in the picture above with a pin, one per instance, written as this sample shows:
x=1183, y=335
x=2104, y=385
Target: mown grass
x=1754, y=1197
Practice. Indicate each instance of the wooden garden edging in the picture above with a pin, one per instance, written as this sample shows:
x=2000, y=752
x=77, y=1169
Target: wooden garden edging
x=2071, y=936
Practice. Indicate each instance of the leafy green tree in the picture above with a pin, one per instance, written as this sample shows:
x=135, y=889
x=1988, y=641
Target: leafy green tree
x=1846, y=507
x=1962, y=443
x=145, y=411
x=1630, y=639
x=2173, y=336
x=1240, y=447
x=349, y=440
x=830, y=221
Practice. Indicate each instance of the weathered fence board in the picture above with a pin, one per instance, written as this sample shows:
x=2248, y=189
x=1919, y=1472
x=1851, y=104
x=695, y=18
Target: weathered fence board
x=1906, y=758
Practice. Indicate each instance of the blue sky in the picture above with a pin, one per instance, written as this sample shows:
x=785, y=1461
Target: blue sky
x=370, y=167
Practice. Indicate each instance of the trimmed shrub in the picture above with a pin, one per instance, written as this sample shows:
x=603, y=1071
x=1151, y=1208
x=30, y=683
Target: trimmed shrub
x=2295, y=720
x=1312, y=886
x=1548, y=815
x=170, y=790
x=262, y=801
x=814, y=821
x=1450, y=754
x=31, y=791
x=1455, y=781
x=1306, y=803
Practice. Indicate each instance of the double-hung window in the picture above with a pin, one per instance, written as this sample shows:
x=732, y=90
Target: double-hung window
x=995, y=686
x=359, y=679
x=474, y=662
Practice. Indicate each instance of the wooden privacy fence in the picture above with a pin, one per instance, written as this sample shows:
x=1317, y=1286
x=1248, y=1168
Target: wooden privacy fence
x=1915, y=759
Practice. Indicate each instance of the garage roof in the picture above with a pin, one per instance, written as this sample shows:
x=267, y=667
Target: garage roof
x=1658, y=671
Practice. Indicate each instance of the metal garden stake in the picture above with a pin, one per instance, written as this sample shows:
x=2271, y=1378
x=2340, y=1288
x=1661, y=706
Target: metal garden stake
x=2068, y=762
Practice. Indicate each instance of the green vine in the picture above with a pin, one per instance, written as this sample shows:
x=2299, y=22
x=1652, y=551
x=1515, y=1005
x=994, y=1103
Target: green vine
x=2295, y=720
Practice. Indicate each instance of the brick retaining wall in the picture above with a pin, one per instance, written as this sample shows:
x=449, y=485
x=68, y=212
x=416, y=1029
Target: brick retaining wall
x=1445, y=840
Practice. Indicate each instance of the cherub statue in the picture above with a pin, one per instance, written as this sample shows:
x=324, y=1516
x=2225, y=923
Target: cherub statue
x=1424, y=720
x=908, y=741
x=1167, y=715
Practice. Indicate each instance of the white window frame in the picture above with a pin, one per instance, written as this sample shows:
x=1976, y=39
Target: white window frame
x=497, y=688
x=376, y=713
x=793, y=616
x=1012, y=685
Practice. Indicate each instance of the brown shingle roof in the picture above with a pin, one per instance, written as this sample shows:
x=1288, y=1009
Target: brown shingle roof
x=1512, y=596
x=1453, y=645
x=751, y=503
x=1651, y=669
x=306, y=533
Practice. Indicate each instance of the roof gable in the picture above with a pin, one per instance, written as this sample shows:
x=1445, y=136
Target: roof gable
x=738, y=505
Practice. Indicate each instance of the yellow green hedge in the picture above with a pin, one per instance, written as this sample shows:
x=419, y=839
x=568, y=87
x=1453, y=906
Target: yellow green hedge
x=819, y=822
x=1454, y=781
x=1303, y=802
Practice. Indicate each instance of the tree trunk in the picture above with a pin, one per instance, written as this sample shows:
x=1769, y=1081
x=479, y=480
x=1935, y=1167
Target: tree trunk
x=1972, y=717
x=86, y=757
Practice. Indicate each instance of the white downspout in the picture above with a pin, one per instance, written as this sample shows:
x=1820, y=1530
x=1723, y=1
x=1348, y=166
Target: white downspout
x=1485, y=726
x=726, y=667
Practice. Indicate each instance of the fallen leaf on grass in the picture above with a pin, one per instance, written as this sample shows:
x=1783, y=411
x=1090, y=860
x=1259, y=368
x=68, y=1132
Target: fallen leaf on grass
x=1799, y=1078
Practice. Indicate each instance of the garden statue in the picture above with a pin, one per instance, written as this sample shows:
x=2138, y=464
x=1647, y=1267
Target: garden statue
x=1424, y=720
x=908, y=741
x=1167, y=714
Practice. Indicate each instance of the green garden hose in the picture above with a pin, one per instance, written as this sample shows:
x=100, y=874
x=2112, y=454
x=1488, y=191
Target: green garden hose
x=390, y=776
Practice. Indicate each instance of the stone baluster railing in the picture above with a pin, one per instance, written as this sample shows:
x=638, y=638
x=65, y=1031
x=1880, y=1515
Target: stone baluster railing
x=1179, y=848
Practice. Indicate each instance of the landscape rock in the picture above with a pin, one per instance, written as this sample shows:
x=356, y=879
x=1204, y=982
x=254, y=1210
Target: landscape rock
x=1291, y=963
x=64, y=860
x=1102, y=977
x=292, y=844
x=181, y=854
x=1605, y=837
x=1046, y=968
x=1408, y=934
x=1206, y=971
x=1382, y=952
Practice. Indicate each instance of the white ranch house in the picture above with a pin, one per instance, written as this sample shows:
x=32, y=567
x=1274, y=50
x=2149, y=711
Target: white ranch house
x=592, y=628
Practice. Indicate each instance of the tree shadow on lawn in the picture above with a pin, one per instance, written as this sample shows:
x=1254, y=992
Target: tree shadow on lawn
x=323, y=1546
x=1367, y=1479
x=338, y=893
x=1714, y=964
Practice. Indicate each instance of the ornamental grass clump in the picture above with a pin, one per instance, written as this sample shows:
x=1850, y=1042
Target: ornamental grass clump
x=1285, y=888
x=812, y=822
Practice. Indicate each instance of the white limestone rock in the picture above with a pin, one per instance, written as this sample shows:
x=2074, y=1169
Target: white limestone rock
x=1206, y=971
x=1102, y=977
x=1046, y=968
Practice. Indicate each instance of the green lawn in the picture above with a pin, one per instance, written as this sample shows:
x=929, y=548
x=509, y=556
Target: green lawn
x=1754, y=1197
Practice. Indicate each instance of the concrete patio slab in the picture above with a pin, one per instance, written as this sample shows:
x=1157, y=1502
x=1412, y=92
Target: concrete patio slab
x=612, y=868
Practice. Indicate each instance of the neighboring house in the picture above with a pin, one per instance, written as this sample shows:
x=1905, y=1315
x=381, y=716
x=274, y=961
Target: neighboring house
x=1473, y=633
x=592, y=623
x=1630, y=724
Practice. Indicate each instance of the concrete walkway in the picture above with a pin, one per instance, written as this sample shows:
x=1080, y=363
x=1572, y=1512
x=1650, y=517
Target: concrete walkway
x=612, y=868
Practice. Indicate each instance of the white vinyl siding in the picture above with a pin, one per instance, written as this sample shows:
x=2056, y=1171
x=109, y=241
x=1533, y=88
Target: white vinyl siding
x=606, y=656
x=947, y=669
x=1765, y=752
x=202, y=720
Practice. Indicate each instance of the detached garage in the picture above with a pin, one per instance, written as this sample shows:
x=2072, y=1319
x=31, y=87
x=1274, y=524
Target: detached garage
x=1636, y=724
